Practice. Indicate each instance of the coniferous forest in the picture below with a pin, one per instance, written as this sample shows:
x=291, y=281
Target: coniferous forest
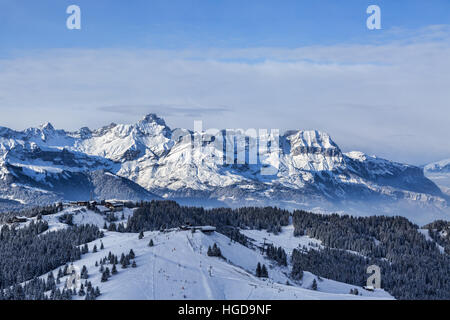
x=411, y=266
x=29, y=252
x=157, y=215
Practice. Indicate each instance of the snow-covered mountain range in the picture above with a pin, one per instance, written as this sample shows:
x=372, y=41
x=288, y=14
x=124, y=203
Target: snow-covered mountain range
x=148, y=160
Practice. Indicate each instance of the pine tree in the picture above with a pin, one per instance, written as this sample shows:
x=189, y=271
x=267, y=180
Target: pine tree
x=84, y=273
x=151, y=244
x=141, y=235
x=51, y=284
x=81, y=292
x=104, y=277
x=258, y=270
x=264, y=273
x=314, y=285
x=214, y=251
x=134, y=264
x=114, y=269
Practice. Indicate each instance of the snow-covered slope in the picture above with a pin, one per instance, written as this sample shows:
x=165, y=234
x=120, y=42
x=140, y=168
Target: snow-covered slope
x=311, y=171
x=178, y=267
x=439, y=173
x=440, y=166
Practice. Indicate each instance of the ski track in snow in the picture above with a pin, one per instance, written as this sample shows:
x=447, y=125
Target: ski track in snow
x=205, y=282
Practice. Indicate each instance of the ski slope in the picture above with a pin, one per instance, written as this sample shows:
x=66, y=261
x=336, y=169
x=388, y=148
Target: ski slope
x=284, y=239
x=178, y=267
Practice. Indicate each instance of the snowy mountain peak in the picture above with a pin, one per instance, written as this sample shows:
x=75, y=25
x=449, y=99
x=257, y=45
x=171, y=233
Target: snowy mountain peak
x=6, y=132
x=153, y=118
x=85, y=133
x=312, y=141
x=440, y=166
x=439, y=173
x=47, y=127
x=311, y=169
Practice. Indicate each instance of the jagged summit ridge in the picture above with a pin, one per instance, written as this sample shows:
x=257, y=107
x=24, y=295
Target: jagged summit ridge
x=152, y=117
x=311, y=170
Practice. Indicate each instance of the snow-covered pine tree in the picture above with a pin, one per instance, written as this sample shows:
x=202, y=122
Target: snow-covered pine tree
x=104, y=277
x=114, y=269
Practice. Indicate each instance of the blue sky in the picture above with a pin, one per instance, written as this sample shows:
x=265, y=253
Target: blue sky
x=31, y=24
x=282, y=64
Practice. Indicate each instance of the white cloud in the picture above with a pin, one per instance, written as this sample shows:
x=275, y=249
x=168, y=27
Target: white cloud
x=391, y=99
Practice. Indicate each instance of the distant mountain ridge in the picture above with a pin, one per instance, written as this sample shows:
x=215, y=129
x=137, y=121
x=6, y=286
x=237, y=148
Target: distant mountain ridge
x=439, y=173
x=440, y=166
x=149, y=160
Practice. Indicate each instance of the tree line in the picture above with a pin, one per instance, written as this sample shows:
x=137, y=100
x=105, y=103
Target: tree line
x=30, y=251
x=412, y=267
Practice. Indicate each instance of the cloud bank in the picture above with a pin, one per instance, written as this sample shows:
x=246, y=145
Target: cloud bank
x=389, y=98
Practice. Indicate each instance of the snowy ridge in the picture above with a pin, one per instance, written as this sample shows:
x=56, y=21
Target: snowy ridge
x=440, y=166
x=312, y=172
x=439, y=173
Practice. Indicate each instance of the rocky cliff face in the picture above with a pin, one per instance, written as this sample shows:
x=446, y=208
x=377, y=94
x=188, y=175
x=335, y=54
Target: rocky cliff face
x=148, y=159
